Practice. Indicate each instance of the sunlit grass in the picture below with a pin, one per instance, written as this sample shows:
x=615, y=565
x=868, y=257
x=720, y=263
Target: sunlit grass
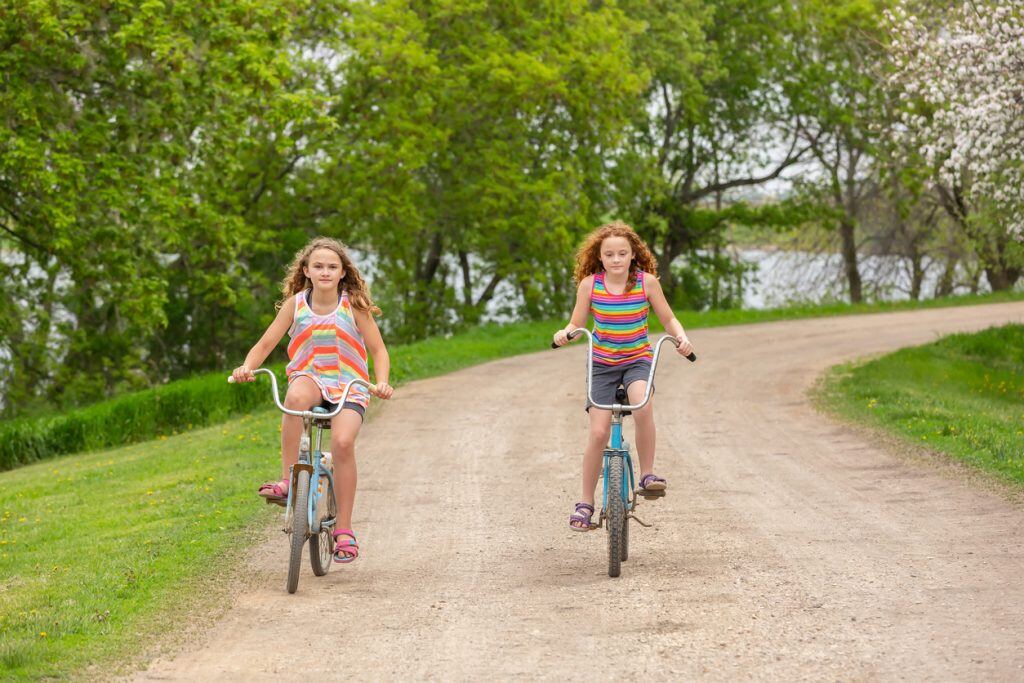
x=93, y=545
x=962, y=395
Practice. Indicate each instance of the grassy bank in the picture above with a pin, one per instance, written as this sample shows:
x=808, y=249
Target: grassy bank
x=962, y=395
x=98, y=550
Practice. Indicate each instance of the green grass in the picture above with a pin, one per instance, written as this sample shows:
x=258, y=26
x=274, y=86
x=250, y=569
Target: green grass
x=97, y=549
x=962, y=395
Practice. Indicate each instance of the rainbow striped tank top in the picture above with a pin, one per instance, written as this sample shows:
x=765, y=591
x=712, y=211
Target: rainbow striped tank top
x=620, y=323
x=329, y=349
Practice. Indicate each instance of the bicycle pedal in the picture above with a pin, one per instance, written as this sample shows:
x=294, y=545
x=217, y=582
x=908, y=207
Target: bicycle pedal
x=277, y=501
x=650, y=495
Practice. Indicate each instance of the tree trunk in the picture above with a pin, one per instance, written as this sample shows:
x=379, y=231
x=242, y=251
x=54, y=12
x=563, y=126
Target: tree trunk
x=467, y=280
x=944, y=287
x=916, y=277
x=1001, y=278
x=849, y=250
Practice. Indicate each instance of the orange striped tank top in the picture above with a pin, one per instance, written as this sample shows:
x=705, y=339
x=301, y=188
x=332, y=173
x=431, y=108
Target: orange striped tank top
x=329, y=349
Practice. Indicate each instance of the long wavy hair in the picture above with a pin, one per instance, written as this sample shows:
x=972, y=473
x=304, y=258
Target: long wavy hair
x=296, y=281
x=588, y=256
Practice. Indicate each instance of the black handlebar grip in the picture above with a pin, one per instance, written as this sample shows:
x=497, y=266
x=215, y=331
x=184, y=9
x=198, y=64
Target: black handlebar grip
x=692, y=357
x=554, y=345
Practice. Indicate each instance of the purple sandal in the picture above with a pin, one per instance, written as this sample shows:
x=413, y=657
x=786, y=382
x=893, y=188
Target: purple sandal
x=582, y=515
x=653, y=484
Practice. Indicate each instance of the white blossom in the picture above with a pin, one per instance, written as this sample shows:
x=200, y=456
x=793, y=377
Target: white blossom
x=964, y=92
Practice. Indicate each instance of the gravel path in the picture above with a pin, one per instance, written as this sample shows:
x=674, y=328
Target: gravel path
x=788, y=547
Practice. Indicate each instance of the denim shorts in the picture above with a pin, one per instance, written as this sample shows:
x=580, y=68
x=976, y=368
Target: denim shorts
x=607, y=378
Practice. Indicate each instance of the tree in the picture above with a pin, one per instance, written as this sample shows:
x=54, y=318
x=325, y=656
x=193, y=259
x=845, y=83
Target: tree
x=124, y=174
x=963, y=84
x=710, y=121
x=470, y=148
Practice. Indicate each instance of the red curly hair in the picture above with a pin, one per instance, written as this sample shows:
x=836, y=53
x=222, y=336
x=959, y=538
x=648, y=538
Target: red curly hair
x=588, y=257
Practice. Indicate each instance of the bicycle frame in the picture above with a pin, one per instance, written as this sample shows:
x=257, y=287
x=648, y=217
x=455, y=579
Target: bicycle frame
x=309, y=460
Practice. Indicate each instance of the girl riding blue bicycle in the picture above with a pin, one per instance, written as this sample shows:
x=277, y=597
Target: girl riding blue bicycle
x=327, y=312
x=618, y=285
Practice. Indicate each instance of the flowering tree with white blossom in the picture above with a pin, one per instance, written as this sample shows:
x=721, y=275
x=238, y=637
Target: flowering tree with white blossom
x=962, y=84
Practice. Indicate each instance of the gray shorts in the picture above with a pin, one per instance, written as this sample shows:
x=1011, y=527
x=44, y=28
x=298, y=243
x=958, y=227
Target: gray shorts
x=349, y=405
x=607, y=378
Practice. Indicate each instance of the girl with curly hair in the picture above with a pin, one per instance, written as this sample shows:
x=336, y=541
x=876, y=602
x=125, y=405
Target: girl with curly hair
x=618, y=285
x=327, y=312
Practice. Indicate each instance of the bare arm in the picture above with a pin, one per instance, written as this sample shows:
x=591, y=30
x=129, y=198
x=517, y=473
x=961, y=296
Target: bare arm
x=258, y=353
x=656, y=296
x=580, y=312
x=378, y=351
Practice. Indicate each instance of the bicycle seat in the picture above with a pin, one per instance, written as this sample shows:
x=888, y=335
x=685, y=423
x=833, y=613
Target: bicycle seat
x=324, y=408
x=620, y=398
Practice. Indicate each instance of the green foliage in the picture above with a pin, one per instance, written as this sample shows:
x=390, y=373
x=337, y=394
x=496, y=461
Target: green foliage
x=469, y=149
x=138, y=142
x=962, y=395
x=140, y=416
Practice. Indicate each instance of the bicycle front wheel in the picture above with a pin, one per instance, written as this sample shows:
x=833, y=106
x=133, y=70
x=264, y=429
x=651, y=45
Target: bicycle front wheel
x=321, y=546
x=625, y=539
x=616, y=516
x=300, y=528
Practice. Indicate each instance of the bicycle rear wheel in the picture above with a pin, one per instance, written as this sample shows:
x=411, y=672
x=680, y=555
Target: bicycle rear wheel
x=300, y=528
x=321, y=546
x=616, y=515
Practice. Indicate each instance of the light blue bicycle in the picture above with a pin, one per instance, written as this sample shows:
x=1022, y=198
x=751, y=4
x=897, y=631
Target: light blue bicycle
x=619, y=492
x=310, y=512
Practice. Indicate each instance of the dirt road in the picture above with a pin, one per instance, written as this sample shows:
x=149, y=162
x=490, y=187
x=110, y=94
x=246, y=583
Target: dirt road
x=789, y=547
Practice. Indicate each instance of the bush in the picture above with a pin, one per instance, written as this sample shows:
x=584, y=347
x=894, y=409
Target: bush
x=177, y=406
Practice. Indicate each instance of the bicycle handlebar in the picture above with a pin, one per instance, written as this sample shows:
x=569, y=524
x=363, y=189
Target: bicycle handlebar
x=307, y=413
x=650, y=377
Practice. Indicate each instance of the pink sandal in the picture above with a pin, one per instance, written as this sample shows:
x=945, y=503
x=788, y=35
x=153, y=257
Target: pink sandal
x=274, y=489
x=346, y=549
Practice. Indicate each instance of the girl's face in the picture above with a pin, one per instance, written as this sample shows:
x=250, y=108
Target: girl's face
x=616, y=255
x=324, y=269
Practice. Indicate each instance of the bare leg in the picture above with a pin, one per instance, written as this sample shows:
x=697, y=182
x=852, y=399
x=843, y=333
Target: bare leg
x=344, y=428
x=644, y=421
x=303, y=394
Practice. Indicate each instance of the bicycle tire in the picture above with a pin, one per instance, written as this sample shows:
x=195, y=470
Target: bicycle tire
x=616, y=515
x=321, y=545
x=625, y=539
x=300, y=528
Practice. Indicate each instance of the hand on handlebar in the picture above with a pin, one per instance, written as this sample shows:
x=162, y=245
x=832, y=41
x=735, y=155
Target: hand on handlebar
x=382, y=390
x=684, y=347
x=243, y=374
x=560, y=338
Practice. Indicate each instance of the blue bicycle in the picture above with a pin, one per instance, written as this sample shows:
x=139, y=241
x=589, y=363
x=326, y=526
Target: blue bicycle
x=619, y=493
x=310, y=512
